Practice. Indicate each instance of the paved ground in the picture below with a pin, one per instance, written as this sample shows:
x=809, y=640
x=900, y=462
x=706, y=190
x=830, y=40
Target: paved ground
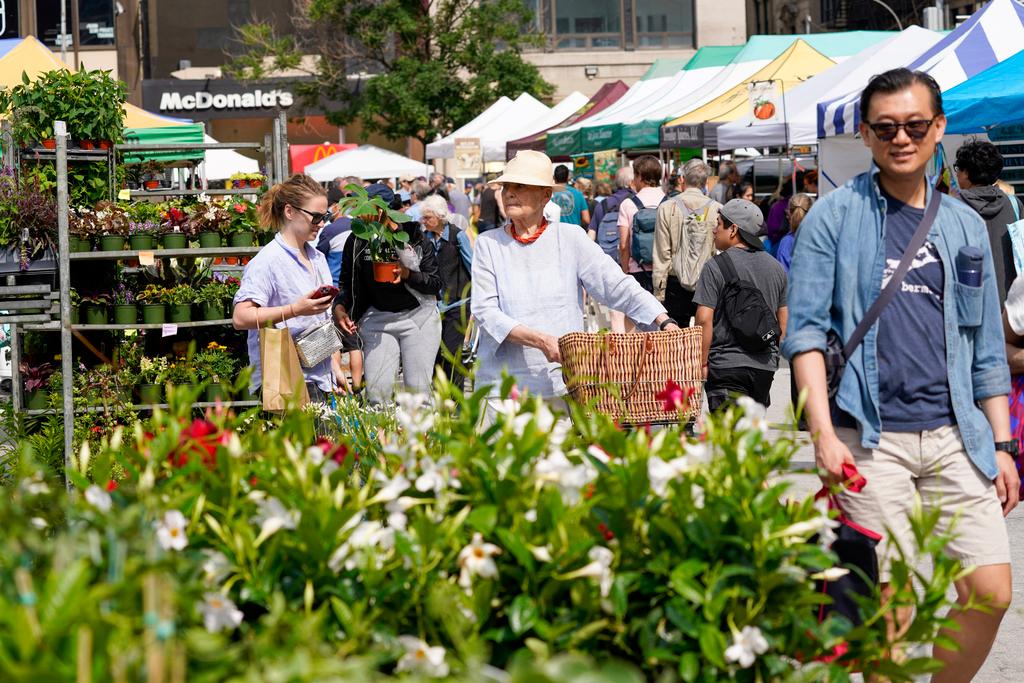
x=1006, y=663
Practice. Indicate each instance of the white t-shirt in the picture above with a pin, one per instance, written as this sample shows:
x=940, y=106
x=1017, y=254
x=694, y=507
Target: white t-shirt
x=1015, y=306
x=552, y=212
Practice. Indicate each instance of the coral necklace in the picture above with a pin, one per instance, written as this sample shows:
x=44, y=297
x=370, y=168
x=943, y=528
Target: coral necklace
x=532, y=238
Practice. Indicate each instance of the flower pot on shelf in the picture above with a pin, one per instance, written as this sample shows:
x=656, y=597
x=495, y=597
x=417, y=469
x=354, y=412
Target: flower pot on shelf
x=255, y=184
x=79, y=244
x=96, y=314
x=111, y=243
x=217, y=392
x=231, y=260
x=151, y=394
x=75, y=315
x=141, y=242
x=154, y=314
x=126, y=314
x=174, y=240
x=180, y=313
x=87, y=144
x=242, y=239
x=49, y=143
x=151, y=184
x=209, y=240
x=37, y=400
x=384, y=272
x=238, y=184
x=104, y=144
x=179, y=388
x=213, y=310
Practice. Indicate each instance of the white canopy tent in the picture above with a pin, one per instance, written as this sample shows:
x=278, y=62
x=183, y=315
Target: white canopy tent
x=499, y=123
x=560, y=112
x=366, y=162
x=800, y=103
x=221, y=164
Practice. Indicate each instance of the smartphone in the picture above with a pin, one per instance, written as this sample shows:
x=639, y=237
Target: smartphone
x=326, y=290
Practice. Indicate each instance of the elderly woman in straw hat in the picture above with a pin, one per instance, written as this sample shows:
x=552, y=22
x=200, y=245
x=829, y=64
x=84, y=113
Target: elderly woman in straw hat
x=528, y=282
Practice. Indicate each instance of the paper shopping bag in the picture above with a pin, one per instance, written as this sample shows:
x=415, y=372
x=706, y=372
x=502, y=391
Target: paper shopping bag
x=283, y=381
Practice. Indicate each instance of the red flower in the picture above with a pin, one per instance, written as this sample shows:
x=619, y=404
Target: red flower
x=239, y=208
x=608, y=535
x=200, y=438
x=336, y=453
x=252, y=481
x=111, y=486
x=97, y=430
x=672, y=397
x=589, y=492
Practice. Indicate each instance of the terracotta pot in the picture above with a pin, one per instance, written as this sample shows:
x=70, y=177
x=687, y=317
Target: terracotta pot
x=255, y=183
x=152, y=184
x=87, y=144
x=384, y=272
x=50, y=143
x=104, y=144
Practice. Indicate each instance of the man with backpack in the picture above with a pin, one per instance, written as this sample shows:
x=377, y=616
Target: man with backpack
x=683, y=241
x=741, y=304
x=604, y=226
x=570, y=201
x=637, y=218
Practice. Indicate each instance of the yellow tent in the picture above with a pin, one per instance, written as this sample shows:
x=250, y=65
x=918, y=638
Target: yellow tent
x=33, y=58
x=794, y=66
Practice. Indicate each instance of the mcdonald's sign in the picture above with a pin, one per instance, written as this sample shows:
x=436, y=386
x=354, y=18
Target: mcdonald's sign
x=304, y=155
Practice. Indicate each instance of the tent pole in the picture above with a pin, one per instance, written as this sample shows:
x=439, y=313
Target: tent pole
x=64, y=274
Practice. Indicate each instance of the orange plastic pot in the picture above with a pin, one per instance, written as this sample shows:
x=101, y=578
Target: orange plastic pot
x=384, y=272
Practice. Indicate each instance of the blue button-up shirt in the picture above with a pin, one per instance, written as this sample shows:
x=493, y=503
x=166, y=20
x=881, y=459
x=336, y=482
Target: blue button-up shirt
x=836, y=275
x=276, y=277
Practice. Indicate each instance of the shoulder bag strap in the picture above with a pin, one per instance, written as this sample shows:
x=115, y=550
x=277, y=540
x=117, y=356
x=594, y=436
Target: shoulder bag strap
x=1015, y=205
x=897, y=278
x=727, y=268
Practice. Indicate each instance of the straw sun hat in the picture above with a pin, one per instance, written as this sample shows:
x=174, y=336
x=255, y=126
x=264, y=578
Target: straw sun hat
x=529, y=168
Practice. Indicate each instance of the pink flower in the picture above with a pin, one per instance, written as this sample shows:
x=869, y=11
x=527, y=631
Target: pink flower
x=674, y=397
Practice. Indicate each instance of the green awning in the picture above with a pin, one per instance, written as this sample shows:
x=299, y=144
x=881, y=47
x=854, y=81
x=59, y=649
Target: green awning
x=562, y=144
x=598, y=138
x=640, y=135
x=713, y=55
x=192, y=133
x=664, y=67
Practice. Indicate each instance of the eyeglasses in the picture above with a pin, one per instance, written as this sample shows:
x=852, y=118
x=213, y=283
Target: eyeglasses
x=887, y=132
x=316, y=217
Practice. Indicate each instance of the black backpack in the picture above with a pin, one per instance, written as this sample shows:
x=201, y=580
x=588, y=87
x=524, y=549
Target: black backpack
x=752, y=323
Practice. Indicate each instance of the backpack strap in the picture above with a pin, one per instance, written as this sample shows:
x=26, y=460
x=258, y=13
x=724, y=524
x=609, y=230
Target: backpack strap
x=1015, y=204
x=726, y=266
x=639, y=204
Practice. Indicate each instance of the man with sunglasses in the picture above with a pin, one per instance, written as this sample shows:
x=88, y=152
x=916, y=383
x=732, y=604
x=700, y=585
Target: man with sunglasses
x=921, y=409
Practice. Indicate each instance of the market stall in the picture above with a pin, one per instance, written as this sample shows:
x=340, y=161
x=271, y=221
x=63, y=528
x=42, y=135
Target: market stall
x=368, y=162
x=495, y=118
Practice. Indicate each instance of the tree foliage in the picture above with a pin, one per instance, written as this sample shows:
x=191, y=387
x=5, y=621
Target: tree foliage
x=404, y=68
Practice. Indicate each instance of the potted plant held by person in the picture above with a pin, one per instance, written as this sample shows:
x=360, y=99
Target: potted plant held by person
x=379, y=226
x=216, y=366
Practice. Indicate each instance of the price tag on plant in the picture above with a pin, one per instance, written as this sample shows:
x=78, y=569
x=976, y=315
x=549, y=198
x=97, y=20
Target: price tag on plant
x=124, y=195
x=169, y=330
x=146, y=258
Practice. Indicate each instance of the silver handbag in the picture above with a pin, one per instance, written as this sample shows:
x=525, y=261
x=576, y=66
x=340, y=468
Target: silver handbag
x=318, y=344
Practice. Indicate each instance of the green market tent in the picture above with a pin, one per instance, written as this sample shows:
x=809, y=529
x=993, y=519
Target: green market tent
x=189, y=133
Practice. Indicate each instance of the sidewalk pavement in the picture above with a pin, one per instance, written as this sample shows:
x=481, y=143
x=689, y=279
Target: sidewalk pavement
x=1004, y=664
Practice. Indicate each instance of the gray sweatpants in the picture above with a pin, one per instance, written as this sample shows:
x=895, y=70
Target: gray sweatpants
x=411, y=338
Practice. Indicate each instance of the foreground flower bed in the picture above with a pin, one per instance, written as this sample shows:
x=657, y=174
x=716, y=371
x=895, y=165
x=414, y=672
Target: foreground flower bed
x=414, y=544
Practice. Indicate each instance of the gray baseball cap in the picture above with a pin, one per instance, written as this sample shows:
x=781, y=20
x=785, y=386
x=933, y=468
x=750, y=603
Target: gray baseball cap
x=748, y=218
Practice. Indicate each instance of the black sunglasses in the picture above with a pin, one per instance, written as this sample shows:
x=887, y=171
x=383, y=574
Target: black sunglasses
x=316, y=217
x=916, y=129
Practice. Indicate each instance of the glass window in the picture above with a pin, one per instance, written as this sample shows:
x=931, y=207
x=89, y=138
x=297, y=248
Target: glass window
x=95, y=22
x=664, y=23
x=588, y=23
x=9, y=19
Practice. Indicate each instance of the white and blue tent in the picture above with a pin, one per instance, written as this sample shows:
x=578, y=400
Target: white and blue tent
x=991, y=35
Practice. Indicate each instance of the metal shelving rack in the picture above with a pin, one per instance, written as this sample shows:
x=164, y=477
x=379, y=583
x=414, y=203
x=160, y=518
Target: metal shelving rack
x=273, y=148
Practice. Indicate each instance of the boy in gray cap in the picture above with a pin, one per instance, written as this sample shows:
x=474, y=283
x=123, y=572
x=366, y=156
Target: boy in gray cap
x=734, y=365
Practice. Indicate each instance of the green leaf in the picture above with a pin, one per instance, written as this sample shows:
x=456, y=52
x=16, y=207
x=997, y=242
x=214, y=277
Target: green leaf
x=712, y=645
x=522, y=614
x=689, y=667
x=483, y=518
x=514, y=545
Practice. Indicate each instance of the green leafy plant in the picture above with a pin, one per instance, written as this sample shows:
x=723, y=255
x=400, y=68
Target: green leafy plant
x=152, y=370
x=216, y=363
x=375, y=223
x=181, y=371
x=152, y=294
x=180, y=295
x=214, y=291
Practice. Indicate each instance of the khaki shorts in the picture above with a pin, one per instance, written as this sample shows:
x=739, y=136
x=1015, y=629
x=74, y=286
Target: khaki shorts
x=934, y=465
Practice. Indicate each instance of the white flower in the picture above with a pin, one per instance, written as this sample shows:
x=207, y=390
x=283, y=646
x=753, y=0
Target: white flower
x=98, y=498
x=822, y=525
x=698, y=496
x=315, y=455
x=599, y=454
x=432, y=477
x=569, y=478
x=476, y=559
x=600, y=568
x=542, y=553
x=219, y=613
x=755, y=416
x=422, y=658
x=414, y=413
x=746, y=646
x=216, y=566
x=272, y=517
x=697, y=451
x=234, y=445
x=530, y=515
x=831, y=574
x=35, y=486
x=392, y=488
x=365, y=536
x=39, y=523
x=660, y=473
x=170, y=531
x=396, y=510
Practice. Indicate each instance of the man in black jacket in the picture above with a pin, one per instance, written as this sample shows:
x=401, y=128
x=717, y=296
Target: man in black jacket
x=398, y=321
x=978, y=165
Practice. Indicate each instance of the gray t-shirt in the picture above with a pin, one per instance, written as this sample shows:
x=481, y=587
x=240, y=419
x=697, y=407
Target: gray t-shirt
x=759, y=268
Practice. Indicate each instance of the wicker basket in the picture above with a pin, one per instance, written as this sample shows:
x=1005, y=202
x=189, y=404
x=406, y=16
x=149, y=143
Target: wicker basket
x=621, y=374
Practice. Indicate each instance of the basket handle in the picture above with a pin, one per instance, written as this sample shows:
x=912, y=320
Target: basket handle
x=643, y=355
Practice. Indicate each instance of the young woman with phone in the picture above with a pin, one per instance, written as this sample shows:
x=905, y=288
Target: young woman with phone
x=289, y=283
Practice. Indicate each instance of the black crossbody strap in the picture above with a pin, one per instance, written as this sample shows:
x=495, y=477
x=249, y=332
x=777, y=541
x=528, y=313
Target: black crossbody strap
x=727, y=268
x=897, y=278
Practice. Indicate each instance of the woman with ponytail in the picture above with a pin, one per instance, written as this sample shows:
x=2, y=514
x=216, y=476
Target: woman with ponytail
x=281, y=283
x=799, y=205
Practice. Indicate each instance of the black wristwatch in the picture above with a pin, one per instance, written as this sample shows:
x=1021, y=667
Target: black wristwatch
x=666, y=322
x=1011, y=447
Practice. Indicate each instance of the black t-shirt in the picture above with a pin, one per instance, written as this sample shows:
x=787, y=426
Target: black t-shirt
x=488, y=206
x=913, y=385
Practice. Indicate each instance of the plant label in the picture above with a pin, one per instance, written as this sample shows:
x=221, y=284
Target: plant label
x=169, y=330
x=124, y=195
x=146, y=258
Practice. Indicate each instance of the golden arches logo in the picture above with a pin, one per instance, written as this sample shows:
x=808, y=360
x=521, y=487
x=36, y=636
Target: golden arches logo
x=324, y=151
